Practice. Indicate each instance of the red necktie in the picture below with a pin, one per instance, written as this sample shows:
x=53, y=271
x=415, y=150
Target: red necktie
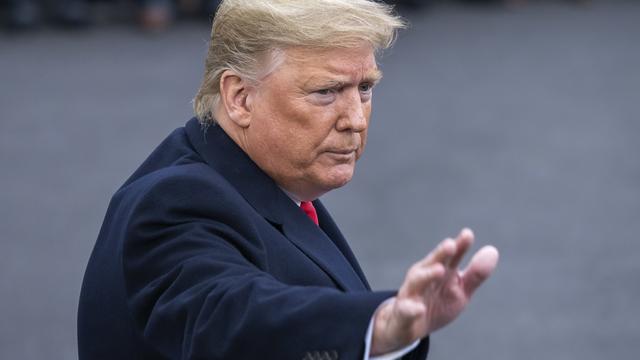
x=308, y=208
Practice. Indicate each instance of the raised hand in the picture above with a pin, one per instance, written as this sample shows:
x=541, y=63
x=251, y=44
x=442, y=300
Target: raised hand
x=433, y=294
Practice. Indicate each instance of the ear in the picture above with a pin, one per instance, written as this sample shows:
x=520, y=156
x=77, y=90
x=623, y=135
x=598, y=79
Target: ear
x=235, y=97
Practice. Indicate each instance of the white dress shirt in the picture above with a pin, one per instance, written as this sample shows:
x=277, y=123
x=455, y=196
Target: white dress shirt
x=369, y=334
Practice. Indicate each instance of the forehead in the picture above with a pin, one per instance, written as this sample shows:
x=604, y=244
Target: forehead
x=339, y=64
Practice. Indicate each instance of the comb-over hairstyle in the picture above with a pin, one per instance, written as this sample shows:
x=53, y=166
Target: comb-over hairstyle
x=248, y=33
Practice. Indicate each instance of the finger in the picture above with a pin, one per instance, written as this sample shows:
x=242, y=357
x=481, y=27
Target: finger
x=420, y=278
x=463, y=243
x=441, y=254
x=479, y=269
x=425, y=272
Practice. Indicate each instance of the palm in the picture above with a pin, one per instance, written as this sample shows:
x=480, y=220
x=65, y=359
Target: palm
x=446, y=302
x=434, y=291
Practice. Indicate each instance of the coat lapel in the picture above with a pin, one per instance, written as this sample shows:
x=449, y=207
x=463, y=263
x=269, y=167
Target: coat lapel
x=315, y=243
x=222, y=154
x=331, y=229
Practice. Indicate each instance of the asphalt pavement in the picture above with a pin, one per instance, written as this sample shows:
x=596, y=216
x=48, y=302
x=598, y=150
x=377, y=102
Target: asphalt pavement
x=521, y=123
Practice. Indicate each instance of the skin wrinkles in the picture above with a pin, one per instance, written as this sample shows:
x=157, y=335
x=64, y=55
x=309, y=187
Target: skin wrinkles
x=305, y=123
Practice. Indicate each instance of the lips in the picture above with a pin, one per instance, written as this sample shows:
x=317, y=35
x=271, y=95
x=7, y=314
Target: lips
x=342, y=155
x=346, y=151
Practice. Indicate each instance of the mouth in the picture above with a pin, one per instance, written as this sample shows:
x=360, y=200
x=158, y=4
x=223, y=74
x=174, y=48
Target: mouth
x=342, y=155
x=347, y=151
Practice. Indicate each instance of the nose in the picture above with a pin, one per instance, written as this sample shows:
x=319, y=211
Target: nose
x=353, y=116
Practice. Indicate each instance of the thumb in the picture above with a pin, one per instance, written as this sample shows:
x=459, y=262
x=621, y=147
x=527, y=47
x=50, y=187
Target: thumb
x=479, y=269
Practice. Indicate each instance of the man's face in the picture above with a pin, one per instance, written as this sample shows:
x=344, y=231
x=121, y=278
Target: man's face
x=309, y=118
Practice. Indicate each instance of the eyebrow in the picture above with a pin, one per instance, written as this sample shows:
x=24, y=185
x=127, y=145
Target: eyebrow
x=372, y=76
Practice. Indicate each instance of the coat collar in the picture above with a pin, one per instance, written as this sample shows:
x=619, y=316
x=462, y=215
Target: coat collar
x=227, y=158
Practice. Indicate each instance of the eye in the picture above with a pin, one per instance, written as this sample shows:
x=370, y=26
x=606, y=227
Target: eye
x=325, y=91
x=366, y=90
x=323, y=96
x=365, y=87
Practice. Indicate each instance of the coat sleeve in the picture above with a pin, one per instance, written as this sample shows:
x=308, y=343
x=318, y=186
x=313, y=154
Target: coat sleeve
x=198, y=285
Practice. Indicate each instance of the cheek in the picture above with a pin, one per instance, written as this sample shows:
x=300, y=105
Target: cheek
x=363, y=139
x=363, y=144
x=298, y=146
x=317, y=132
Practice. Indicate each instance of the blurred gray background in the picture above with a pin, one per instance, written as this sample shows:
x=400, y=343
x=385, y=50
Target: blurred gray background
x=519, y=122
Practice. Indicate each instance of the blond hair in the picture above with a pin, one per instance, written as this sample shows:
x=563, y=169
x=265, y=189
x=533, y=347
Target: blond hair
x=246, y=32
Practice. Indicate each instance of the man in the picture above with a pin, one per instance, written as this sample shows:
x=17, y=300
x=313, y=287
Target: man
x=217, y=247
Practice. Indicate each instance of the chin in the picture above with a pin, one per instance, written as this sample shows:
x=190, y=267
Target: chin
x=339, y=177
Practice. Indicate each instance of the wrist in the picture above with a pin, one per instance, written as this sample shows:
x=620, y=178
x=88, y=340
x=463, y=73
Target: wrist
x=382, y=340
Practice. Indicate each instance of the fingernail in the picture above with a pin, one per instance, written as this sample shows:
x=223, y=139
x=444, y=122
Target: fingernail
x=449, y=243
x=466, y=232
